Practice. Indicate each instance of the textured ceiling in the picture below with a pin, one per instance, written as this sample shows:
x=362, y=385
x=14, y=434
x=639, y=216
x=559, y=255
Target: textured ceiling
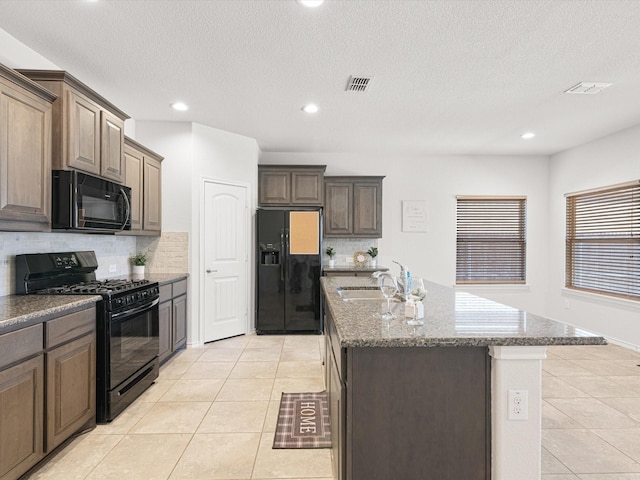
x=454, y=77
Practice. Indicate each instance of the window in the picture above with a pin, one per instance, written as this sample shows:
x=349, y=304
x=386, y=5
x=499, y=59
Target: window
x=603, y=241
x=491, y=240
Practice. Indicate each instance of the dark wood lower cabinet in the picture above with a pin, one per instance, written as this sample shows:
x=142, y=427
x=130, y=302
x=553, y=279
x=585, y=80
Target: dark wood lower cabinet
x=172, y=318
x=21, y=412
x=179, y=322
x=71, y=389
x=47, y=388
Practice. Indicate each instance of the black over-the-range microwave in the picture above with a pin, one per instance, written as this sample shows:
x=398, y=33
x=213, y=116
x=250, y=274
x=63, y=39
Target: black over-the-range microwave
x=87, y=203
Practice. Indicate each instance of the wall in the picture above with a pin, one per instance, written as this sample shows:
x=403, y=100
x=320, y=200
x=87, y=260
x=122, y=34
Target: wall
x=110, y=250
x=437, y=180
x=193, y=153
x=14, y=54
x=608, y=161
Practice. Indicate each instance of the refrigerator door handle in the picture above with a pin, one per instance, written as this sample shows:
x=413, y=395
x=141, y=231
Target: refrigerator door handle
x=282, y=262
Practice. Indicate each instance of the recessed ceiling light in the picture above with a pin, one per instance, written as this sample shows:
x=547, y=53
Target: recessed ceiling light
x=528, y=135
x=311, y=3
x=179, y=106
x=311, y=108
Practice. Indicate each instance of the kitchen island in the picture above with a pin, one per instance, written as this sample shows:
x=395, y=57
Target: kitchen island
x=433, y=401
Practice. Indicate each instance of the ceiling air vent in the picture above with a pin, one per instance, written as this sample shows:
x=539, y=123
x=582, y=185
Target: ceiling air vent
x=359, y=84
x=588, y=88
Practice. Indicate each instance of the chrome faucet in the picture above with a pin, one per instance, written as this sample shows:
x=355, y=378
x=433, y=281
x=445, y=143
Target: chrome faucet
x=403, y=288
x=381, y=276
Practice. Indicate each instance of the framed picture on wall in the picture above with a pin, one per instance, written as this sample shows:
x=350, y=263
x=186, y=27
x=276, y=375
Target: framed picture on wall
x=414, y=216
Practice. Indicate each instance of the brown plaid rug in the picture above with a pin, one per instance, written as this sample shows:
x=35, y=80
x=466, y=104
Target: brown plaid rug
x=303, y=421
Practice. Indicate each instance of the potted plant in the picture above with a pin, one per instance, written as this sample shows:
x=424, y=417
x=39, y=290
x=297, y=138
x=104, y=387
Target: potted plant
x=373, y=253
x=332, y=253
x=139, y=260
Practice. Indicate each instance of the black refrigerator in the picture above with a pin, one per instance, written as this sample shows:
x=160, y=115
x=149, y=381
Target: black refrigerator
x=289, y=263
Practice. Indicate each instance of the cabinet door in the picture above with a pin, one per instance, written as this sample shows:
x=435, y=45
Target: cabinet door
x=71, y=388
x=338, y=218
x=152, y=210
x=133, y=179
x=21, y=428
x=179, y=322
x=307, y=188
x=25, y=160
x=367, y=209
x=336, y=418
x=84, y=133
x=165, y=328
x=112, y=142
x=274, y=187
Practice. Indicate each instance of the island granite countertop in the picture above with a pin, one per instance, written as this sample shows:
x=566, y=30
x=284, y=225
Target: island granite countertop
x=452, y=318
x=20, y=311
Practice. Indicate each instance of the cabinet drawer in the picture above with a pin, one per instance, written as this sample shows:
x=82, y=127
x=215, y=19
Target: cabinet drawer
x=69, y=327
x=20, y=344
x=180, y=288
x=165, y=292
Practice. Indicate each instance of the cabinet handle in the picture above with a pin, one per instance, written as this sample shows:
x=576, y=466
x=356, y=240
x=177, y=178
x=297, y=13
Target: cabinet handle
x=211, y=271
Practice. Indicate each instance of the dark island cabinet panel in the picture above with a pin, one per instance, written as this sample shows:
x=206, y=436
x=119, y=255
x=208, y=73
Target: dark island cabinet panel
x=408, y=413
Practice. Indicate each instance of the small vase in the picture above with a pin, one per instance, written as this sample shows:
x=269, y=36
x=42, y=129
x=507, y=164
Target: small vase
x=138, y=270
x=373, y=263
x=332, y=263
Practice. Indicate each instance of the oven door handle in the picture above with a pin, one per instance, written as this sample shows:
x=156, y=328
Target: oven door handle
x=139, y=309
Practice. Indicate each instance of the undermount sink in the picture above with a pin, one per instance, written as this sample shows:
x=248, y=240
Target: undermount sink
x=361, y=294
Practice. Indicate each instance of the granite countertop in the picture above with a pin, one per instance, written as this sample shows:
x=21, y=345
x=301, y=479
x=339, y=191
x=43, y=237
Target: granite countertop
x=452, y=318
x=162, y=277
x=20, y=311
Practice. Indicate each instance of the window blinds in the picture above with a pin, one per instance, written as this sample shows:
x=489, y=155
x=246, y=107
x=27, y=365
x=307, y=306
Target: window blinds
x=603, y=241
x=491, y=240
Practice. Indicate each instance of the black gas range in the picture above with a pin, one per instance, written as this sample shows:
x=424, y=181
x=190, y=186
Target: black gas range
x=127, y=328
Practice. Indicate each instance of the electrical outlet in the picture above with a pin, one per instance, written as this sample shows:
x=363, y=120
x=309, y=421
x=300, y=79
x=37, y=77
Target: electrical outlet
x=349, y=259
x=113, y=268
x=518, y=404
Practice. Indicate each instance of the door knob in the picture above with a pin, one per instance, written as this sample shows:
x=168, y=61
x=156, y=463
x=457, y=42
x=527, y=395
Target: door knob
x=211, y=271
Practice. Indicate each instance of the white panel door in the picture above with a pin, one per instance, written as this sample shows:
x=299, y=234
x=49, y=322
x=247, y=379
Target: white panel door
x=225, y=255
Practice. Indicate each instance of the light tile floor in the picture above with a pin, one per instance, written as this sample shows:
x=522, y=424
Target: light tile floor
x=591, y=413
x=213, y=410
x=210, y=415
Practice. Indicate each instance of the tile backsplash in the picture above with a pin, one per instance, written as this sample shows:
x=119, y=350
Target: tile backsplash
x=346, y=247
x=168, y=253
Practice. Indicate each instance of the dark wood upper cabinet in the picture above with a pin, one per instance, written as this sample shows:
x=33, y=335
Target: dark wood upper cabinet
x=25, y=153
x=144, y=176
x=353, y=207
x=88, y=130
x=283, y=185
